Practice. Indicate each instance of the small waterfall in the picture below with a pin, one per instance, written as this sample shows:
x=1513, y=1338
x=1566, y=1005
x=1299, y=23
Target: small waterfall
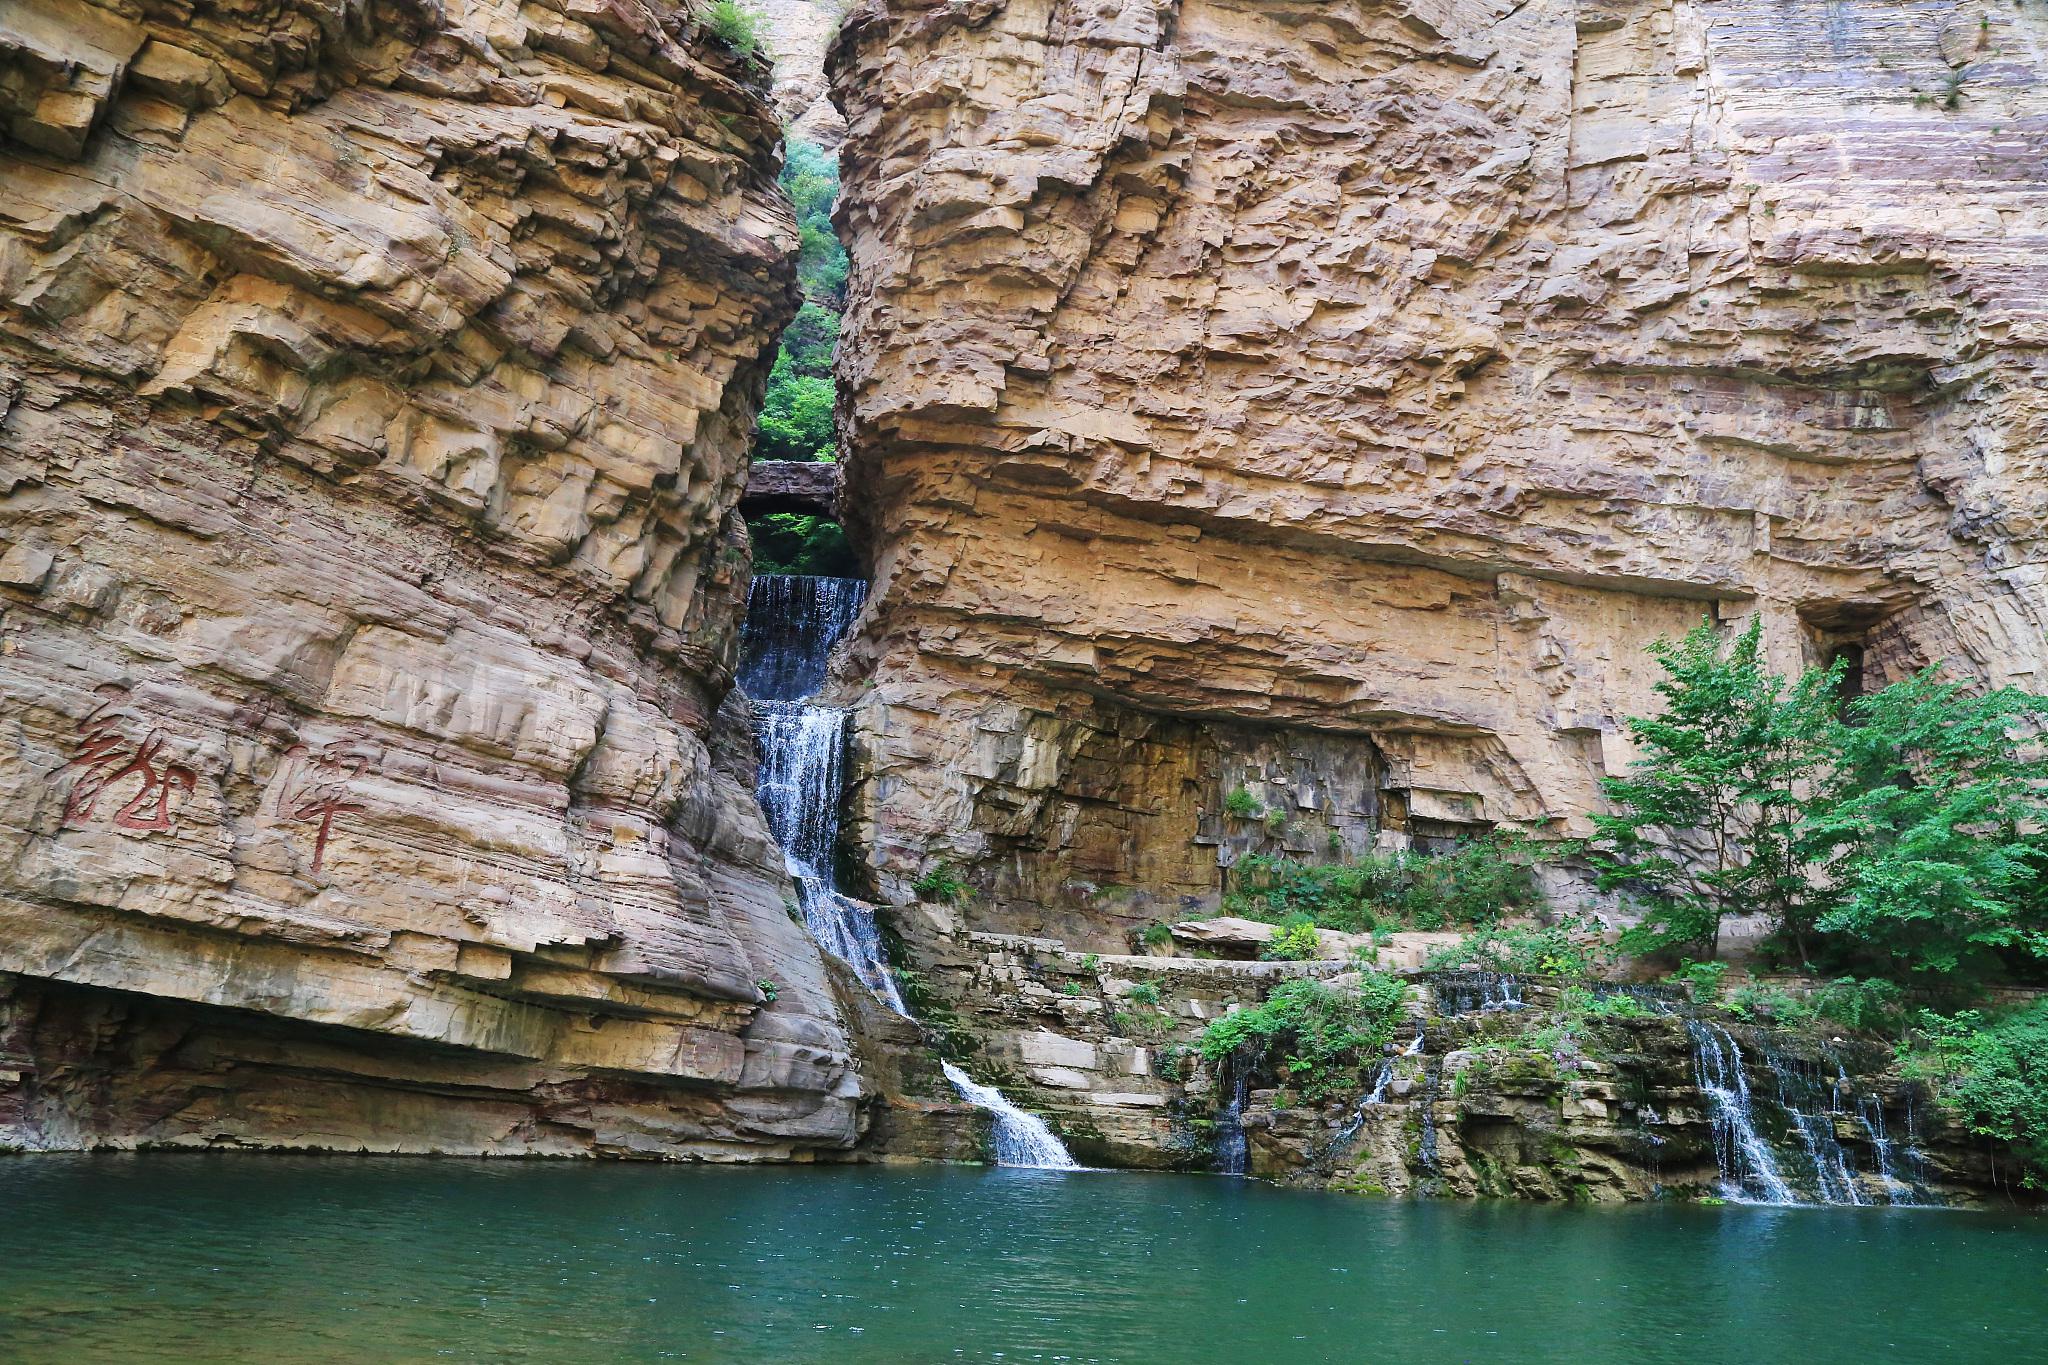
x=1870, y=1114
x=1371, y=1099
x=1748, y=1169
x=793, y=622
x=1233, y=1149
x=1476, y=992
x=1022, y=1139
x=1426, y=1149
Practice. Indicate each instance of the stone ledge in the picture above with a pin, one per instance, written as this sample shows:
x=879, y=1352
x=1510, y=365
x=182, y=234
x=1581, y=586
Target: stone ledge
x=792, y=486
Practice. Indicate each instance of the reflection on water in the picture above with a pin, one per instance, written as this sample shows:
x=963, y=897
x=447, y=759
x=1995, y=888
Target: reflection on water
x=285, y=1260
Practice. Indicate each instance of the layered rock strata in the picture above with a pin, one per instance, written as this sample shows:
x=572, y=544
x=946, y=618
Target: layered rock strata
x=376, y=381
x=1331, y=398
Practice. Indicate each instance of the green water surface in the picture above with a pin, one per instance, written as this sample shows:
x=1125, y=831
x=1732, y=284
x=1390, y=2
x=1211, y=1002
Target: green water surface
x=285, y=1260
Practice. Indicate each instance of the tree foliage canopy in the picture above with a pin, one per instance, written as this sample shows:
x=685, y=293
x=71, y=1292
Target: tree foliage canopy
x=1901, y=833
x=796, y=415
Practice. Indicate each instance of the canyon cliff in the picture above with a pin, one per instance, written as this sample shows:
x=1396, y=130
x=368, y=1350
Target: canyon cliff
x=1332, y=398
x=376, y=381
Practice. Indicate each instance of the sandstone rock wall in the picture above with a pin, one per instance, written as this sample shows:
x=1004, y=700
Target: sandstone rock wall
x=797, y=33
x=376, y=380
x=1390, y=372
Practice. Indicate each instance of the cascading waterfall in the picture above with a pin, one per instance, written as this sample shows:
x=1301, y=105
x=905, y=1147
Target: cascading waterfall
x=1022, y=1138
x=1476, y=992
x=1748, y=1169
x=1812, y=1166
x=793, y=622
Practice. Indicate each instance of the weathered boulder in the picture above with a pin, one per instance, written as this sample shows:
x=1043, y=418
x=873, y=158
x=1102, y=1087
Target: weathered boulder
x=376, y=382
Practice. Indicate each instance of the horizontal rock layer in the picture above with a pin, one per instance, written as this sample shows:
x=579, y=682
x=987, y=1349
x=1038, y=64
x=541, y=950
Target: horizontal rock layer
x=1333, y=399
x=375, y=387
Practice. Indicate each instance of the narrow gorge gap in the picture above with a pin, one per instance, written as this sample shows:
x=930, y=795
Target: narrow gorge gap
x=806, y=594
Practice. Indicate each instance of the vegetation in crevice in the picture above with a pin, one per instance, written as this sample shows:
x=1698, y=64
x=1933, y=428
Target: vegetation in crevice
x=801, y=543
x=1474, y=883
x=1313, y=1036
x=797, y=412
x=734, y=25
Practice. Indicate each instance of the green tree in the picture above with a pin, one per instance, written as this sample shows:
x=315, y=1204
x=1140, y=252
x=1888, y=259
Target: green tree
x=1925, y=831
x=796, y=419
x=796, y=413
x=797, y=542
x=808, y=342
x=810, y=176
x=1704, y=824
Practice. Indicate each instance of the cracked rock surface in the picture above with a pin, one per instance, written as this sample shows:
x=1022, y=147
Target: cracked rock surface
x=1331, y=398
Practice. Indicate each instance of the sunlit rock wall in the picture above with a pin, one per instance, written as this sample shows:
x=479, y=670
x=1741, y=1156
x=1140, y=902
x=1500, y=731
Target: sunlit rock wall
x=376, y=381
x=1385, y=374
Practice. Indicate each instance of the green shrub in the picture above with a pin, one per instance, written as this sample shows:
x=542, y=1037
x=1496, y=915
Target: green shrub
x=941, y=884
x=734, y=25
x=1704, y=978
x=1242, y=805
x=1867, y=1006
x=1578, y=1002
x=1296, y=942
x=1276, y=822
x=1314, y=1035
x=1156, y=935
x=1761, y=1004
x=1144, y=993
x=1560, y=949
x=1471, y=884
x=1991, y=1071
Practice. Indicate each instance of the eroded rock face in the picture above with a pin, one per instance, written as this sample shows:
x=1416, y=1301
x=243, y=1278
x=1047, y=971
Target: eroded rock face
x=796, y=33
x=376, y=381
x=1333, y=397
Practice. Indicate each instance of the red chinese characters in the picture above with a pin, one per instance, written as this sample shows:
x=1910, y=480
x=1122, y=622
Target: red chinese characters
x=313, y=789
x=106, y=758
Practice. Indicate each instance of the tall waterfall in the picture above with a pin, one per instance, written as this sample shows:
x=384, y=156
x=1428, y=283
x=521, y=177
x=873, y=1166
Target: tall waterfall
x=793, y=621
